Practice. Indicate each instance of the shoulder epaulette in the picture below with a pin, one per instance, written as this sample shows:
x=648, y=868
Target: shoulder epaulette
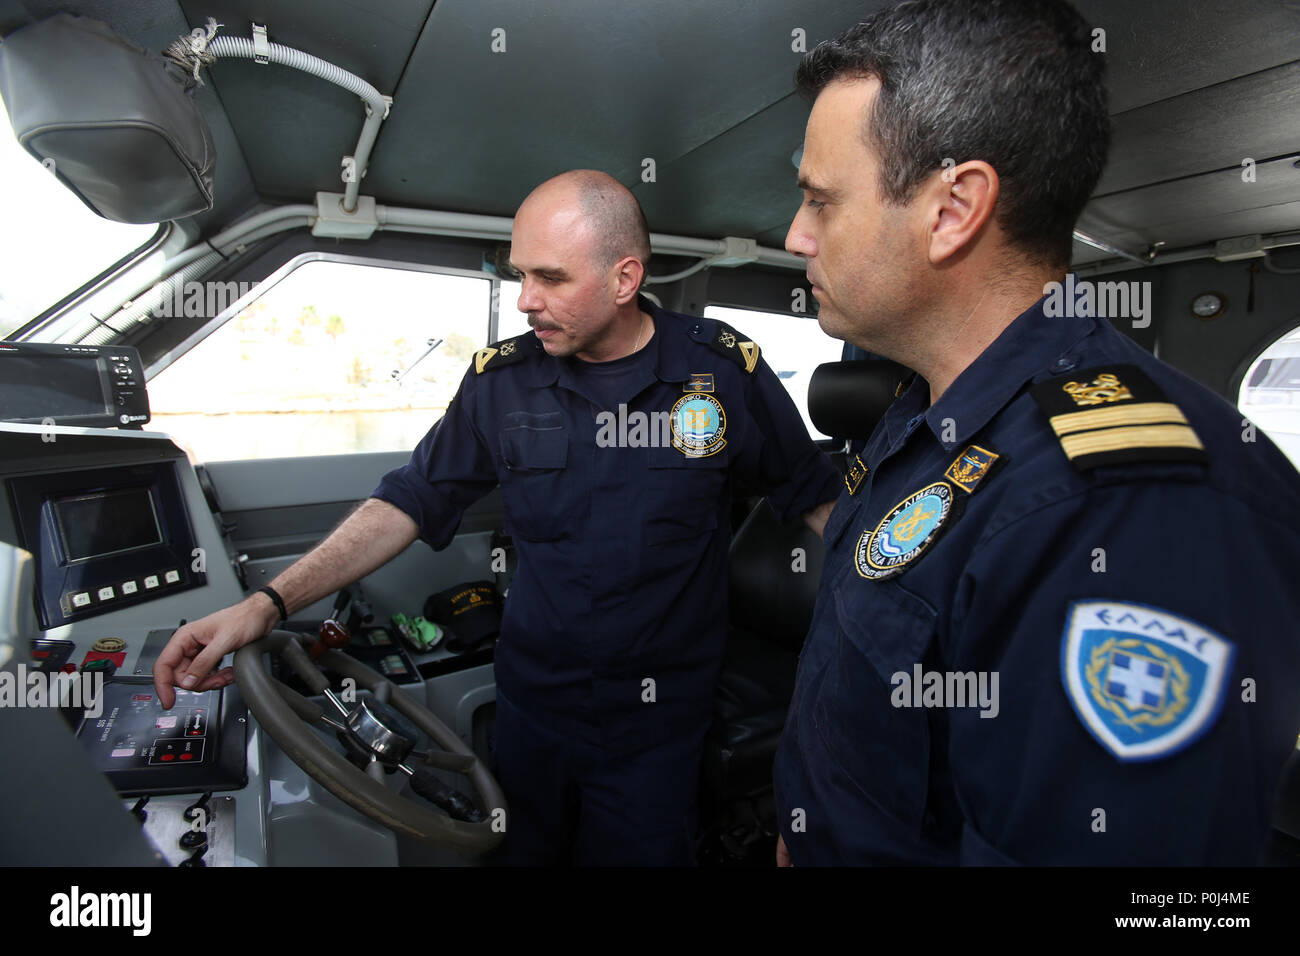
x=1115, y=415
x=500, y=354
x=728, y=343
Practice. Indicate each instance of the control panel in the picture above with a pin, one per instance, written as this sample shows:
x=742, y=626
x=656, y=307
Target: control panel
x=198, y=745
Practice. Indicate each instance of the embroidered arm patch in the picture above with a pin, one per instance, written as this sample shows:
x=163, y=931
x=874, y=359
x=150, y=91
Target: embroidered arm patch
x=1146, y=683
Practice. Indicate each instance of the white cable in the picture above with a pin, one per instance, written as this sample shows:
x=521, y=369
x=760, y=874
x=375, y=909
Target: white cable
x=242, y=48
x=689, y=271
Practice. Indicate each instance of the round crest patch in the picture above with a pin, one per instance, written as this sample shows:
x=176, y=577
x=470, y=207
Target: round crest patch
x=905, y=532
x=698, y=423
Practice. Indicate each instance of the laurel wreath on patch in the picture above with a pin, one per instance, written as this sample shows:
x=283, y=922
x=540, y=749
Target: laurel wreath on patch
x=1179, y=685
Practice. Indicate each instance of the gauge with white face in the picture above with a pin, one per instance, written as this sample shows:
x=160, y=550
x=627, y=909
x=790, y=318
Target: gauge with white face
x=1207, y=305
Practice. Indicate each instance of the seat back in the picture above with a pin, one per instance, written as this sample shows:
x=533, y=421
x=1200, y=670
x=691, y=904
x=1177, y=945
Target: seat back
x=774, y=572
x=847, y=399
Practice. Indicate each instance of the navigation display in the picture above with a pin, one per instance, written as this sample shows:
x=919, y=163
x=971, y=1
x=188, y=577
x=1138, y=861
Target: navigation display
x=111, y=522
x=41, y=387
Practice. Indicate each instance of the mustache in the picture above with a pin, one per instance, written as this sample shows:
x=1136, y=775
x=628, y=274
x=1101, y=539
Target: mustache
x=537, y=326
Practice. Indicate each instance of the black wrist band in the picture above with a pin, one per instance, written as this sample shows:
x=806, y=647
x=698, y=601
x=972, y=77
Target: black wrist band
x=279, y=601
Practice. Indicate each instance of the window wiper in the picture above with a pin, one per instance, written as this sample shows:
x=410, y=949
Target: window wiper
x=399, y=375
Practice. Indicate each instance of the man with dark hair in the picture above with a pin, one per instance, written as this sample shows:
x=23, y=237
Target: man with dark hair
x=1035, y=641
x=613, y=632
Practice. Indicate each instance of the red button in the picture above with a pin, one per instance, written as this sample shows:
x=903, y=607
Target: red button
x=142, y=696
x=167, y=757
x=187, y=756
x=40, y=655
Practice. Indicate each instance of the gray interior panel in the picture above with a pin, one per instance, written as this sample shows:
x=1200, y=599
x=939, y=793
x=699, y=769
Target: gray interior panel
x=1212, y=128
x=244, y=485
x=1161, y=49
x=667, y=78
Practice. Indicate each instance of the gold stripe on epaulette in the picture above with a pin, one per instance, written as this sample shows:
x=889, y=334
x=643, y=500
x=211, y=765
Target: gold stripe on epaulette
x=482, y=357
x=750, y=351
x=1139, y=436
x=1146, y=413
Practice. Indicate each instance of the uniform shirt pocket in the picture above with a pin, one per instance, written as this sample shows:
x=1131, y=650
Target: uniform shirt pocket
x=882, y=749
x=683, y=495
x=534, y=442
x=539, y=503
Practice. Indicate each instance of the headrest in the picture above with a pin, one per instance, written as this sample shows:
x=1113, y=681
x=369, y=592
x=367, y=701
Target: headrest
x=847, y=399
x=115, y=123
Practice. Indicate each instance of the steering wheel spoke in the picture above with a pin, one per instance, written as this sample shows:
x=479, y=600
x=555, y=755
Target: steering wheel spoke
x=442, y=760
x=286, y=717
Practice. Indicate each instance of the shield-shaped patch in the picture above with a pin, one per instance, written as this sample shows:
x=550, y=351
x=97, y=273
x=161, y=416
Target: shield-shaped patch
x=1145, y=682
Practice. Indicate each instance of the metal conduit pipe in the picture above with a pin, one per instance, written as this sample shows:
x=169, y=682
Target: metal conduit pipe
x=191, y=265
x=1185, y=254
x=137, y=312
x=472, y=225
x=199, y=259
x=295, y=215
x=376, y=103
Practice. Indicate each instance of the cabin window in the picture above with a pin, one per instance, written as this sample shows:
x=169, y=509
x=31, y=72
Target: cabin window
x=1270, y=394
x=333, y=358
x=510, y=321
x=50, y=243
x=793, y=346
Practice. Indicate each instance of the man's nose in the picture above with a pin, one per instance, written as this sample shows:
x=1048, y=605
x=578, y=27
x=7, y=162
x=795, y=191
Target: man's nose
x=528, y=298
x=797, y=240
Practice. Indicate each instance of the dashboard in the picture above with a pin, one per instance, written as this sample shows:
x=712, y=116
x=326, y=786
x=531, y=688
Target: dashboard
x=120, y=545
x=123, y=550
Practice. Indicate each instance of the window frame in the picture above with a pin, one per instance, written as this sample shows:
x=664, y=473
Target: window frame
x=1238, y=380
x=196, y=338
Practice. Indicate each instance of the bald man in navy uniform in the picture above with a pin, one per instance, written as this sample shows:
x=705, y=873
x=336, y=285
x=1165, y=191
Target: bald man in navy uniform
x=617, y=432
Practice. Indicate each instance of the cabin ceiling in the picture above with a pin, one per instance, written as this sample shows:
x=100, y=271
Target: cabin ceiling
x=706, y=91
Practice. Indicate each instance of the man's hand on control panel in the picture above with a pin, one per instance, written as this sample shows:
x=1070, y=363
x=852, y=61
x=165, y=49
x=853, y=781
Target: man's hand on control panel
x=198, y=647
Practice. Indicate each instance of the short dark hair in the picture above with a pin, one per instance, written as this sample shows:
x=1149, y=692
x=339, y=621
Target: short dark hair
x=1014, y=83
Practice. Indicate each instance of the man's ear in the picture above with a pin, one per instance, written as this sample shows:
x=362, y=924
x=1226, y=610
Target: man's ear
x=629, y=275
x=961, y=201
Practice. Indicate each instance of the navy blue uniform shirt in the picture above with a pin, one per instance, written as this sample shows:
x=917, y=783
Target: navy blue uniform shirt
x=1057, y=622
x=622, y=536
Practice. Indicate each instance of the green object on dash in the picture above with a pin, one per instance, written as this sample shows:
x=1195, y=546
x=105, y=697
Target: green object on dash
x=422, y=635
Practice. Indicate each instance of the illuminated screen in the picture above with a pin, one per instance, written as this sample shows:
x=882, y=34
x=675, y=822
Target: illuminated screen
x=36, y=387
x=110, y=522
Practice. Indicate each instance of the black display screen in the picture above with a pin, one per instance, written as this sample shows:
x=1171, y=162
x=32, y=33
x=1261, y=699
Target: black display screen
x=39, y=387
x=110, y=522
